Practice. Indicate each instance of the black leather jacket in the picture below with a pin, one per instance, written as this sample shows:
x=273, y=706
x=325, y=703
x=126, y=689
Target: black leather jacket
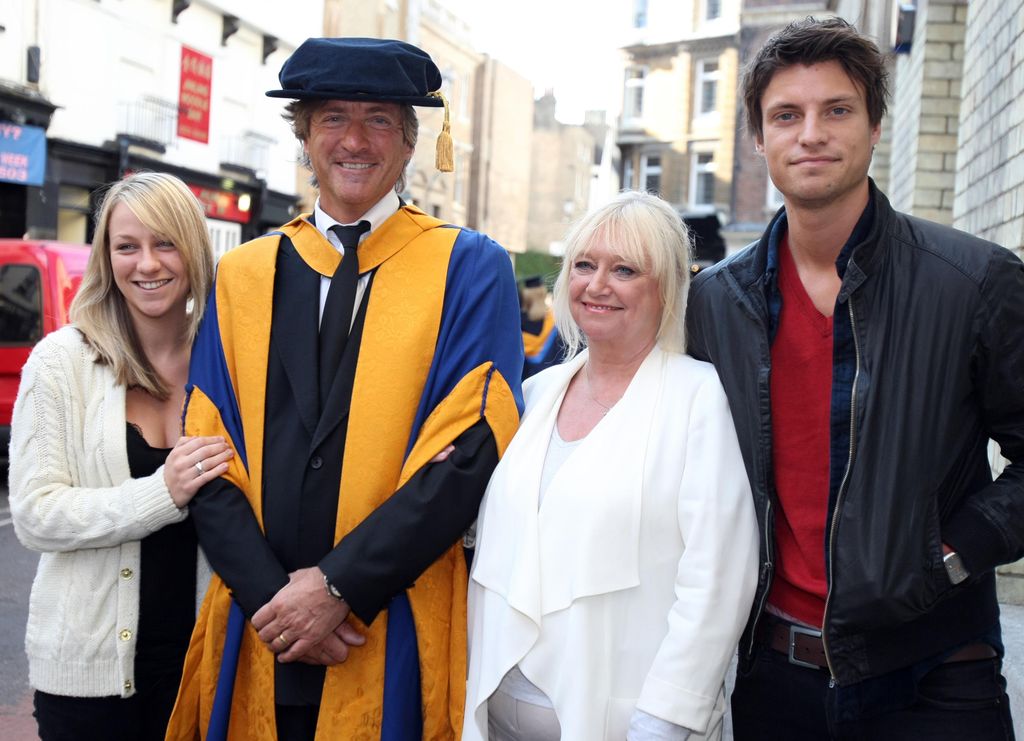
x=938, y=319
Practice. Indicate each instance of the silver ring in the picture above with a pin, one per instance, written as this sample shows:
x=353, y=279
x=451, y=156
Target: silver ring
x=199, y=467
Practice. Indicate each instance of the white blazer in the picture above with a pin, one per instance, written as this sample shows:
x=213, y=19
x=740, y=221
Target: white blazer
x=629, y=587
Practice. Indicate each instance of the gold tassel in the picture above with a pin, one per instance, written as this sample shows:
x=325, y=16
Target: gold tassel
x=445, y=157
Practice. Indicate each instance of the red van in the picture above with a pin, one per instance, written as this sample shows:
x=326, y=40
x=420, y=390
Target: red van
x=38, y=279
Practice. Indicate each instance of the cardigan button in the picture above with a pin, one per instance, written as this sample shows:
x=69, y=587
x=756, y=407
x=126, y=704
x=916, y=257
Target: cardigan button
x=126, y=635
x=126, y=573
x=316, y=462
x=127, y=684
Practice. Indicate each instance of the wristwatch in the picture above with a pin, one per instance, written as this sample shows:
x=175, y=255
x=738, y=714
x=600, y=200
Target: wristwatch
x=955, y=568
x=332, y=590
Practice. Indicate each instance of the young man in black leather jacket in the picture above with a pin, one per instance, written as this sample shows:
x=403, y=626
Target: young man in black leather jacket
x=868, y=357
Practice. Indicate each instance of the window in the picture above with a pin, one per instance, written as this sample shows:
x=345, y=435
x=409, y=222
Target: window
x=650, y=172
x=627, y=174
x=712, y=9
x=639, y=13
x=702, y=181
x=707, y=87
x=633, y=103
x=21, y=305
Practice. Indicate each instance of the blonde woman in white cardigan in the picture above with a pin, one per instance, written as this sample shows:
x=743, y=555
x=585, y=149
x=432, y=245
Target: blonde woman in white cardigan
x=617, y=544
x=100, y=478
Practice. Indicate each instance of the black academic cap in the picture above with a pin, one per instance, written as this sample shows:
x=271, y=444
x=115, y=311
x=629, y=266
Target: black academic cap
x=360, y=69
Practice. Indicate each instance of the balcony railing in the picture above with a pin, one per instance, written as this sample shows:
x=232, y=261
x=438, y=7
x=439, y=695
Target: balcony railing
x=150, y=118
x=249, y=150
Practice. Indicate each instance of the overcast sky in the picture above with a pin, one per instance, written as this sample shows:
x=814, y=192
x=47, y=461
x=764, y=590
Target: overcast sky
x=569, y=45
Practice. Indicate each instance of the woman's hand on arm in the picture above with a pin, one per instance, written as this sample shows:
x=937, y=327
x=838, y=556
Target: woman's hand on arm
x=193, y=462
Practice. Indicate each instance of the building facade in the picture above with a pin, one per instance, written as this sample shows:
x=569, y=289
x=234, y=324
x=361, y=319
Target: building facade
x=446, y=37
x=561, y=172
x=164, y=85
x=989, y=185
x=924, y=117
x=676, y=131
x=490, y=110
x=499, y=201
x=959, y=87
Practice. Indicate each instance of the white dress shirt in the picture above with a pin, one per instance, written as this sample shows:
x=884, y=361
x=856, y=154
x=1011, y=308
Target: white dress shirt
x=380, y=212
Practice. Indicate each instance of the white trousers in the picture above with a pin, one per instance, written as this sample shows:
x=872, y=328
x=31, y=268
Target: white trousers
x=509, y=719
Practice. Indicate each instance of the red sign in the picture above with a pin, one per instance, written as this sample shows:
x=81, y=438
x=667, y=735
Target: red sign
x=223, y=204
x=194, y=95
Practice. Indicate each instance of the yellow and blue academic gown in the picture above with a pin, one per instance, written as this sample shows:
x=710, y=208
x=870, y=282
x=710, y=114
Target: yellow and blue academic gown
x=439, y=357
x=542, y=344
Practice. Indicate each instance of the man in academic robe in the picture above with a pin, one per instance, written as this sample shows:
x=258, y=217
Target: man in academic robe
x=364, y=363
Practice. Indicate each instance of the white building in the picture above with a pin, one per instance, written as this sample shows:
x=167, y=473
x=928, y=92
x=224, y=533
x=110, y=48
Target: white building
x=126, y=85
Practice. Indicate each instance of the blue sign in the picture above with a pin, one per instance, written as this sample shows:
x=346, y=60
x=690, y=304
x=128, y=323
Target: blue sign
x=22, y=154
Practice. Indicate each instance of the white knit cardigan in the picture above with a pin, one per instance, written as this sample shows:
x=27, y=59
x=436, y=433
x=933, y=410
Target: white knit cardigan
x=73, y=500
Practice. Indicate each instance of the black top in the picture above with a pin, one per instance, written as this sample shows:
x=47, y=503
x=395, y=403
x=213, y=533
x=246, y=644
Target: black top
x=167, y=592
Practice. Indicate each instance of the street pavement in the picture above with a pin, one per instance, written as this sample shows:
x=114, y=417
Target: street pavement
x=19, y=566
x=1013, y=663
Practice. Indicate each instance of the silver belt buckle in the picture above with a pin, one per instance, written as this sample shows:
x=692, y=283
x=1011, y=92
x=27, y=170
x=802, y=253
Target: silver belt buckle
x=793, y=631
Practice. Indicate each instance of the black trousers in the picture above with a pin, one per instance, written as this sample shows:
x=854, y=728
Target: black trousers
x=955, y=701
x=141, y=717
x=296, y=722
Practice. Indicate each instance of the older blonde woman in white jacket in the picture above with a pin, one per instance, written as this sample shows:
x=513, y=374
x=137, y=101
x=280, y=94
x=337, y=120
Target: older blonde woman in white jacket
x=617, y=544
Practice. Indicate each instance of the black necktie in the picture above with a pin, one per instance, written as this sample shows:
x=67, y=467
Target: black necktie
x=341, y=299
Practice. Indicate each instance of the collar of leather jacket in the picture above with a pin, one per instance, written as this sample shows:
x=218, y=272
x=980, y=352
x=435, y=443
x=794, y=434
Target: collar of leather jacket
x=863, y=261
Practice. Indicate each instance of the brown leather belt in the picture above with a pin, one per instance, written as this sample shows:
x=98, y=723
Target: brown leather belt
x=804, y=647
x=972, y=652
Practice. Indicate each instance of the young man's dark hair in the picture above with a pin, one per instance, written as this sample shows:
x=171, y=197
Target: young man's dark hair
x=811, y=41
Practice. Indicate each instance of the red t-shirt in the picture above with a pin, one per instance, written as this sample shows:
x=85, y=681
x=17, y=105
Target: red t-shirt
x=801, y=387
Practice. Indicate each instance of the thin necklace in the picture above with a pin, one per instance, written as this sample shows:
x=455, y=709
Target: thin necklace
x=590, y=391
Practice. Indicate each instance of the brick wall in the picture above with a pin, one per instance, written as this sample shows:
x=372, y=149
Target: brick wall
x=990, y=170
x=925, y=114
